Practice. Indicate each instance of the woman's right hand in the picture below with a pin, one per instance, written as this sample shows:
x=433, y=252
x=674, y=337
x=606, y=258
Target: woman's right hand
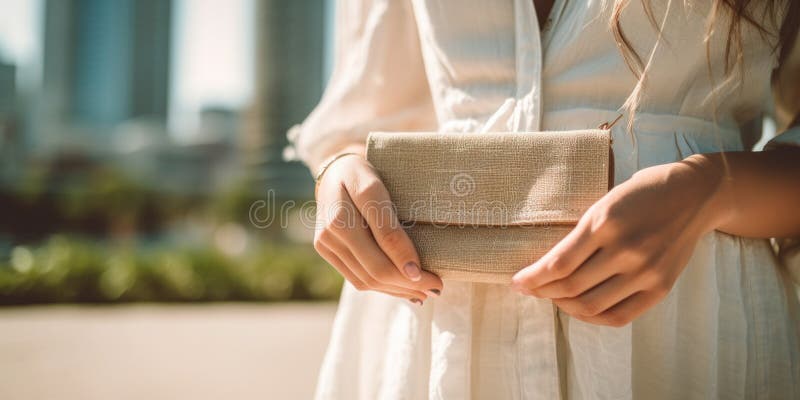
x=358, y=232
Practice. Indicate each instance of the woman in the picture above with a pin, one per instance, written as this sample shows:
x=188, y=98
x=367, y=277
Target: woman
x=667, y=287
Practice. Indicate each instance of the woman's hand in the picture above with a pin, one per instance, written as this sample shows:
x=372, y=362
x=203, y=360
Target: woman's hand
x=628, y=249
x=358, y=232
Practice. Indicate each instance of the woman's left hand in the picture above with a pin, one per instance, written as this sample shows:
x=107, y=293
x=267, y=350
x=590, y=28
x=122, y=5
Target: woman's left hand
x=629, y=248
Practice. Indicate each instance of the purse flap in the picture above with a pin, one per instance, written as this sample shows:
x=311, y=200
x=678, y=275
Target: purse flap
x=496, y=179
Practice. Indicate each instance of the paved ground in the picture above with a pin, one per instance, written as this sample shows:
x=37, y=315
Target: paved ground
x=225, y=351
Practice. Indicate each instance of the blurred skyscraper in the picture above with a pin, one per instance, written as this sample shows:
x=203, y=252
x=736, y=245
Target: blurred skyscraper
x=105, y=61
x=290, y=73
x=8, y=89
x=9, y=129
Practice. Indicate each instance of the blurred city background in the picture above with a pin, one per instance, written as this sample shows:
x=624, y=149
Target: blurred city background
x=140, y=161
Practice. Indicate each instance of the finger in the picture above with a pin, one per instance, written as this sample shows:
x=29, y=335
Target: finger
x=359, y=240
x=601, y=297
x=599, y=267
x=340, y=266
x=358, y=269
x=381, y=269
x=627, y=310
x=564, y=258
x=375, y=205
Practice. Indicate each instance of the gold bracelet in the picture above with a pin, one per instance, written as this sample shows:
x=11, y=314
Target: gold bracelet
x=327, y=165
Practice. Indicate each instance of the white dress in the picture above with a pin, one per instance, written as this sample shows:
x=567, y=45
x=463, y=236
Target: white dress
x=729, y=327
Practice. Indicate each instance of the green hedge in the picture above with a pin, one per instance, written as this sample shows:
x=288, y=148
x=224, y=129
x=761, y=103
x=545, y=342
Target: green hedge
x=66, y=269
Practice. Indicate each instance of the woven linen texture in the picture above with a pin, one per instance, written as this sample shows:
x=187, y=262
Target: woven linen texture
x=481, y=206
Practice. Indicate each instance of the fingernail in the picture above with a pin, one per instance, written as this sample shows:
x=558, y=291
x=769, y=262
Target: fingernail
x=434, y=292
x=520, y=288
x=412, y=271
x=416, y=301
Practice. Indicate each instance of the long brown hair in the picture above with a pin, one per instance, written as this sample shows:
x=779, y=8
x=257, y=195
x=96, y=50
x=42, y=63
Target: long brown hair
x=763, y=16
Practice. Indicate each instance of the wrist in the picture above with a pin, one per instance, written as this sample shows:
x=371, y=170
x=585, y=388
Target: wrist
x=713, y=185
x=359, y=149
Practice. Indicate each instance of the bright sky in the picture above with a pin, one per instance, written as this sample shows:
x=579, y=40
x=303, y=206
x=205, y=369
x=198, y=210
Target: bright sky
x=20, y=37
x=212, y=60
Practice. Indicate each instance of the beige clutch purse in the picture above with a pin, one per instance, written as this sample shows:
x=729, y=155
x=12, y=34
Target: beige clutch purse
x=479, y=207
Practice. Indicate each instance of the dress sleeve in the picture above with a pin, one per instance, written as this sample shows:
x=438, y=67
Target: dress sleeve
x=378, y=82
x=786, y=95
